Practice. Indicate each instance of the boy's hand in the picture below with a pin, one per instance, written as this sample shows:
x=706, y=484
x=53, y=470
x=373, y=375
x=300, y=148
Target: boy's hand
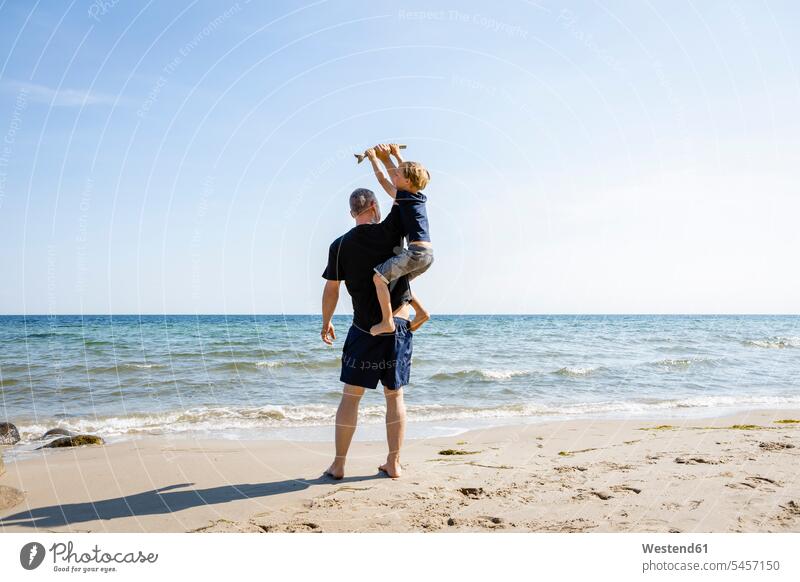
x=382, y=150
x=371, y=154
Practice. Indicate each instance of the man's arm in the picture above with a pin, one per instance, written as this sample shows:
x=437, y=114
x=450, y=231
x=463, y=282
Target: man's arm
x=384, y=182
x=330, y=297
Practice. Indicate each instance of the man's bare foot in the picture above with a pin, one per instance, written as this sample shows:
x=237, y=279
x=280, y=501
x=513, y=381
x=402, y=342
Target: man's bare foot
x=335, y=471
x=382, y=327
x=419, y=319
x=392, y=468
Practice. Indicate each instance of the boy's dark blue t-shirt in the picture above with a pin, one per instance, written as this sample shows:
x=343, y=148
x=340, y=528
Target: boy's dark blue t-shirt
x=413, y=215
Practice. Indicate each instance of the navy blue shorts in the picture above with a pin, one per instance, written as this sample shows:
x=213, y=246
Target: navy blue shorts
x=368, y=359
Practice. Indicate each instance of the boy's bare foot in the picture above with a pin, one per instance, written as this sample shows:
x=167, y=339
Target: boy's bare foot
x=382, y=327
x=392, y=468
x=335, y=471
x=419, y=319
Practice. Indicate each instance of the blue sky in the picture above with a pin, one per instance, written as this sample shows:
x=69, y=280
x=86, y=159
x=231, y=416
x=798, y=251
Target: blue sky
x=586, y=157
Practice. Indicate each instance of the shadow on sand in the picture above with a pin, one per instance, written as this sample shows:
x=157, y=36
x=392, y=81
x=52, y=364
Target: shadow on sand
x=161, y=501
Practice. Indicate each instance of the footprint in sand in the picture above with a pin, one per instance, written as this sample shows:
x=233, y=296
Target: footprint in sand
x=754, y=482
x=775, y=446
x=626, y=489
x=792, y=508
x=762, y=480
x=472, y=492
x=572, y=526
x=617, y=466
x=483, y=521
x=740, y=485
x=604, y=495
x=569, y=469
x=695, y=461
x=305, y=526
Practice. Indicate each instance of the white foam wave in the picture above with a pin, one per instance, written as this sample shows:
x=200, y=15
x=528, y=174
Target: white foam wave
x=216, y=420
x=774, y=343
x=674, y=364
x=575, y=372
x=270, y=364
x=479, y=374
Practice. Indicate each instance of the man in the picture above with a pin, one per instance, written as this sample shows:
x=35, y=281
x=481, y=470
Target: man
x=368, y=359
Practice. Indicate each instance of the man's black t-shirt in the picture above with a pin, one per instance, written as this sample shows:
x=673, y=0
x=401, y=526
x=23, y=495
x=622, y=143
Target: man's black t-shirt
x=352, y=258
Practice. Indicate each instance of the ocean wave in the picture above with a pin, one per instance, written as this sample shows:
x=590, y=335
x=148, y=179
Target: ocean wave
x=678, y=364
x=243, y=354
x=219, y=419
x=274, y=364
x=774, y=343
x=90, y=343
x=134, y=366
x=575, y=372
x=108, y=369
x=478, y=374
x=39, y=334
x=269, y=364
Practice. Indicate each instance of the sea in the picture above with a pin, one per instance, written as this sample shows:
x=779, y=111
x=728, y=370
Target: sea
x=270, y=376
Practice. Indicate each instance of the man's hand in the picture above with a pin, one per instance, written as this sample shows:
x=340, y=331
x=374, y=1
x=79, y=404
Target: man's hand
x=371, y=154
x=328, y=333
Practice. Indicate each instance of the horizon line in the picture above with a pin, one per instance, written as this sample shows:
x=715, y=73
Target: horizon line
x=543, y=314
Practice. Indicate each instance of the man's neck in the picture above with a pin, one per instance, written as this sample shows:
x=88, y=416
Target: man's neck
x=364, y=220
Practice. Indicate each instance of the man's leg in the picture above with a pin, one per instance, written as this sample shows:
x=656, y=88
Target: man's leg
x=346, y=421
x=395, y=430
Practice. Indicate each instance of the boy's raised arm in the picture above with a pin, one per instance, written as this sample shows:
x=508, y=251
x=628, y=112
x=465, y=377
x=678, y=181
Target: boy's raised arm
x=394, y=149
x=387, y=185
x=382, y=151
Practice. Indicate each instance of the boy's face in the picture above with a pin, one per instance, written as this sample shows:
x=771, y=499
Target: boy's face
x=403, y=183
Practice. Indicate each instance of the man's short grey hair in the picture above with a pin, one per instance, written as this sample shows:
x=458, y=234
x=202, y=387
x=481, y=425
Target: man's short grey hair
x=360, y=200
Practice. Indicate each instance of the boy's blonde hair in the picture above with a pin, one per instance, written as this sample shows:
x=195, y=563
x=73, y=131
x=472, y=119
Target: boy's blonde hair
x=415, y=173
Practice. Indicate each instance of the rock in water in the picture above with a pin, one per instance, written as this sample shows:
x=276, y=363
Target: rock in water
x=9, y=497
x=9, y=435
x=74, y=441
x=56, y=432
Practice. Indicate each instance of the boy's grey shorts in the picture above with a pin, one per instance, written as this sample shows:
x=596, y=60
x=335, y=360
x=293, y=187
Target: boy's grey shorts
x=413, y=261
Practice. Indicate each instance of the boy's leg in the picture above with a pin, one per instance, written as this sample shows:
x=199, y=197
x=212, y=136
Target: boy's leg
x=385, y=299
x=421, y=314
x=346, y=421
x=395, y=430
x=409, y=262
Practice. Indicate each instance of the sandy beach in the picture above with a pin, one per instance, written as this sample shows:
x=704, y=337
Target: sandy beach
x=729, y=474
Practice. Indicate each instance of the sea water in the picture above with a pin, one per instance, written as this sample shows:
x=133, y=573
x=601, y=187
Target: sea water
x=244, y=376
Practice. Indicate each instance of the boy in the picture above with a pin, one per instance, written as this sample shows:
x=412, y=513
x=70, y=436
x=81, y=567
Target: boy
x=406, y=184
